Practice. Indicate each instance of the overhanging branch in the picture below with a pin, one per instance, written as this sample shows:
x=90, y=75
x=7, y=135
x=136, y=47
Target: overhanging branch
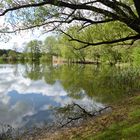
x=58, y=3
x=87, y=44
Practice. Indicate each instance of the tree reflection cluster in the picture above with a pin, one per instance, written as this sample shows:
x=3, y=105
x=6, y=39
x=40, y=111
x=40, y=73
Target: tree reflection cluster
x=105, y=83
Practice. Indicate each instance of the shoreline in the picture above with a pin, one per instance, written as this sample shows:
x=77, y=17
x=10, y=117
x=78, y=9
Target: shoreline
x=95, y=128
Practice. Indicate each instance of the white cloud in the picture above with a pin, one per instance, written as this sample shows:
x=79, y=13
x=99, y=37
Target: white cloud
x=23, y=85
x=19, y=39
x=2, y=21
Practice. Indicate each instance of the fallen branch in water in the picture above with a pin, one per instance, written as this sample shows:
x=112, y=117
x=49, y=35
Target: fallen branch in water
x=75, y=112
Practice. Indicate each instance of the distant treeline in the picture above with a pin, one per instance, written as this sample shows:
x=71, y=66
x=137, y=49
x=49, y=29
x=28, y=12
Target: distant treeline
x=7, y=52
x=60, y=48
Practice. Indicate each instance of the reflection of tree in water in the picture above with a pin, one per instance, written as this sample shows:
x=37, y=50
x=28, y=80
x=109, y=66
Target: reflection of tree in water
x=114, y=83
x=34, y=71
x=104, y=83
x=51, y=74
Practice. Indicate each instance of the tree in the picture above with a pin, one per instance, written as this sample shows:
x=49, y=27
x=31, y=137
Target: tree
x=136, y=54
x=51, y=46
x=68, y=49
x=12, y=55
x=33, y=49
x=52, y=14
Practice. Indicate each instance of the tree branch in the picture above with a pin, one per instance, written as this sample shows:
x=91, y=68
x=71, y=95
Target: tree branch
x=22, y=6
x=63, y=4
x=137, y=5
x=87, y=44
x=84, y=114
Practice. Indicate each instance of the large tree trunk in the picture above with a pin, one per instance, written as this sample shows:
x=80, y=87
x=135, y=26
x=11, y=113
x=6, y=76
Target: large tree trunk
x=137, y=5
x=135, y=25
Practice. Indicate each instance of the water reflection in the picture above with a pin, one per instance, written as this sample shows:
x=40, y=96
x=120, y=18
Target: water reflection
x=29, y=92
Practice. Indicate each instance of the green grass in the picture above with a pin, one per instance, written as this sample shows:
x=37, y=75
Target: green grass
x=131, y=132
x=136, y=100
x=128, y=129
x=135, y=114
x=119, y=131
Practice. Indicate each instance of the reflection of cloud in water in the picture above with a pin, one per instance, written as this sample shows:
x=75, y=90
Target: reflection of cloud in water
x=13, y=114
x=4, y=98
x=40, y=87
x=46, y=107
x=85, y=102
x=89, y=104
x=23, y=101
x=62, y=101
x=23, y=85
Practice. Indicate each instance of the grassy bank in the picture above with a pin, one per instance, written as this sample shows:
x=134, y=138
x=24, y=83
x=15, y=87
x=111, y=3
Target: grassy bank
x=123, y=123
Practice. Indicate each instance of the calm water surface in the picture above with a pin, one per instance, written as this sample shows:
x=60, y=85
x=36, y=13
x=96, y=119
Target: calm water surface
x=29, y=92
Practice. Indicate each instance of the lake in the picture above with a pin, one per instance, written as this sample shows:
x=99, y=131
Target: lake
x=29, y=93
